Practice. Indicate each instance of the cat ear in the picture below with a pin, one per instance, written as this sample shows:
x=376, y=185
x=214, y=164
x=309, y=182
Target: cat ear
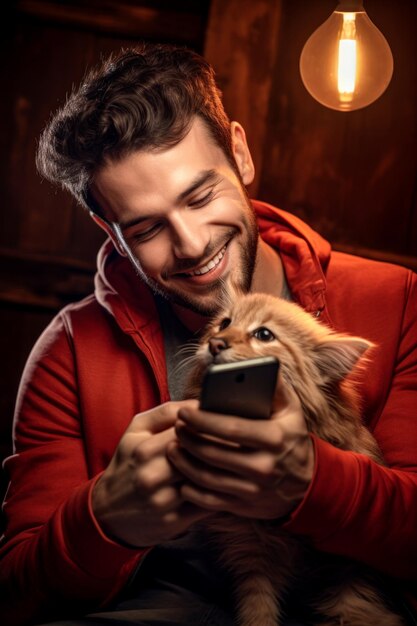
x=337, y=356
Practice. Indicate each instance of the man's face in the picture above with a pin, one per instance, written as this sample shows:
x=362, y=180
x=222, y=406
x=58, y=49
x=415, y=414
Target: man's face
x=185, y=216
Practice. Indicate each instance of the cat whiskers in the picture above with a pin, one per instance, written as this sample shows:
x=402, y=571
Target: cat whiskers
x=187, y=357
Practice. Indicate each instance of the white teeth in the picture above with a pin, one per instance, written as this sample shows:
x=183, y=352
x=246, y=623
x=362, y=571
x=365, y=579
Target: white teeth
x=210, y=265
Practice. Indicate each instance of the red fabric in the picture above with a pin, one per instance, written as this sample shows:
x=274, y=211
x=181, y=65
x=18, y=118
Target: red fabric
x=101, y=361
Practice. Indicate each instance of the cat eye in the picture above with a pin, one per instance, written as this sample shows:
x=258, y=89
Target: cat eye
x=263, y=334
x=225, y=323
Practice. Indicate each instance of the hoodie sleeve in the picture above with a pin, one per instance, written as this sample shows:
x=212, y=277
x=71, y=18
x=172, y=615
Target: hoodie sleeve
x=53, y=554
x=357, y=508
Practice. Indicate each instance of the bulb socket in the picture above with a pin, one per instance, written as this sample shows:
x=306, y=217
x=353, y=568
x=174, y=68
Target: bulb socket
x=350, y=6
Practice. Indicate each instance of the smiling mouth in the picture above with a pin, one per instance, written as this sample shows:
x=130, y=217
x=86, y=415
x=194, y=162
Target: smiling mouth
x=208, y=267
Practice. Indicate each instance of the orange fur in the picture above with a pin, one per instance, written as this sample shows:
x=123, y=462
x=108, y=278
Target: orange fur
x=320, y=365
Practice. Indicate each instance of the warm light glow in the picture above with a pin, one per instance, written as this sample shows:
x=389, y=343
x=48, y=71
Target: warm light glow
x=346, y=65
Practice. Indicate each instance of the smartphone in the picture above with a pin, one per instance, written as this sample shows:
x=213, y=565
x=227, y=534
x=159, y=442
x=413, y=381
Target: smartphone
x=243, y=388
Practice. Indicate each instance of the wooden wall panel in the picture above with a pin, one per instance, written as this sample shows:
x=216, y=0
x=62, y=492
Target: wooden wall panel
x=351, y=175
x=48, y=244
x=49, y=44
x=39, y=88
x=242, y=44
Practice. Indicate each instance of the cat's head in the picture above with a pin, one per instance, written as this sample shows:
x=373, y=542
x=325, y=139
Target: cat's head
x=311, y=355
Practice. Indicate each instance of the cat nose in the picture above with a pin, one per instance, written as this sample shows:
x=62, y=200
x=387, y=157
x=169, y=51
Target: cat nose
x=216, y=345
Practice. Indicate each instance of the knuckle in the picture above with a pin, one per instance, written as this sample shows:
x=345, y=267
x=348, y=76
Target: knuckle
x=173, y=406
x=125, y=446
x=209, y=501
x=251, y=490
x=200, y=497
x=140, y=454
x=233, y=429
x=206, y=479
x=144, y=482
x=168, y=524
x=265, y=468
x=163, y=498
x=275, y=437
x=168, y=409
x=145, y=451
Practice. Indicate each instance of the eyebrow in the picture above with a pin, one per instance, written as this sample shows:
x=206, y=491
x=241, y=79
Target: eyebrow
x=204, y=177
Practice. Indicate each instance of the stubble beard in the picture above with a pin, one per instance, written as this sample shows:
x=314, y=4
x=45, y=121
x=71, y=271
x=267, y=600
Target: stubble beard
x=210, y=306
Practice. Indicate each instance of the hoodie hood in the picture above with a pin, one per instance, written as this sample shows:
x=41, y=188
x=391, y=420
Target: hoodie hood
x=121, y=291
x=304, y=254
x=125, y=296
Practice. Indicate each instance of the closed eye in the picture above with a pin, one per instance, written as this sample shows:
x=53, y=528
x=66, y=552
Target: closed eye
x=202, y=200
x=144, y=235
x=263, y=334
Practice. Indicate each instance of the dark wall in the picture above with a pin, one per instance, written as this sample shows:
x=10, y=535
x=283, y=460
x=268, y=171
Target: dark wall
x=353, y=176
x=48, y=244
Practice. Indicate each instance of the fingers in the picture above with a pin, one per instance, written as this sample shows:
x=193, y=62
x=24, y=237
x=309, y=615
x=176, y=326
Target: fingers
x=138, y=497
x=240, y=473
x=186, y=515
x=216, y=502
x=144, y=443
x=211, y=501
x=259, y=466
x=154, y=474
x=160, y=418
x=252, y=434
x=209, y=477
x=270, y=493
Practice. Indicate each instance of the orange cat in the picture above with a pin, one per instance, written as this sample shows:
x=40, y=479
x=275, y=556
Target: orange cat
x=266, y=563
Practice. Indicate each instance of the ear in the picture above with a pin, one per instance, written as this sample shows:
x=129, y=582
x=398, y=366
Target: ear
x=110, y=232
x=242, y=153
x=337, y=356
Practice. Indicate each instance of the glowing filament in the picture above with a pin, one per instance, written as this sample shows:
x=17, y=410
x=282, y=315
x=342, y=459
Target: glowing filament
x=347, y=59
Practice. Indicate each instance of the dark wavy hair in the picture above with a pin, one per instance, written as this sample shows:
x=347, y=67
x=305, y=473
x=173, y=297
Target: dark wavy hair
x=142, y=98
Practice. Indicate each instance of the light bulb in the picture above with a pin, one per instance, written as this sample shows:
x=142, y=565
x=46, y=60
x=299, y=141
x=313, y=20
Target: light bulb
x=347, y=63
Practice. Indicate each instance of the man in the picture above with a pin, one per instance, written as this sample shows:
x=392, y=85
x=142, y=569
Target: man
x=112, y=468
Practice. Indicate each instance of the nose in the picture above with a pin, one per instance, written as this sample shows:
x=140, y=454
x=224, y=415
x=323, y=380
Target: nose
x=190, y=239
x=216, y=345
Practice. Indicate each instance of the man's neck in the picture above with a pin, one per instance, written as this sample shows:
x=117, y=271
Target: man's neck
x=268, y=276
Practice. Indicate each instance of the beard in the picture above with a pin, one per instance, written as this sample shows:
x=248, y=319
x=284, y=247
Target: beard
x=208, y=304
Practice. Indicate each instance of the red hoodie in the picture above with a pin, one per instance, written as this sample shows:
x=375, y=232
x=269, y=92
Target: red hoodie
x=101, y=361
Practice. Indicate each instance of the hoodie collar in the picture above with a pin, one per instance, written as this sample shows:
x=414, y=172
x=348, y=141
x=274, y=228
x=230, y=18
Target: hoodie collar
x=129, y=300
x=122, y=292
x=304, y=254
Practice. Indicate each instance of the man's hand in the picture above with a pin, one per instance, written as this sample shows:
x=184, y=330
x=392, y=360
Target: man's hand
x=254, y=468
x=138, y=498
